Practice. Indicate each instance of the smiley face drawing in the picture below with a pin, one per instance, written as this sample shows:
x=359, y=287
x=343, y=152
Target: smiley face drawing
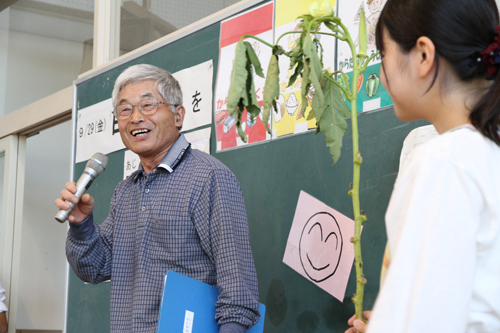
x=320, y=246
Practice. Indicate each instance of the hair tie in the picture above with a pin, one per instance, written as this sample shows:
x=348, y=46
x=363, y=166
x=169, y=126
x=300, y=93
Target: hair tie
x=491, y=56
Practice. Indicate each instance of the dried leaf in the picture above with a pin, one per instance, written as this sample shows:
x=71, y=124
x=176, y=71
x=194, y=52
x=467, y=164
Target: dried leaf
x=314, y=73
x=254, y=59
x=241, y=94
x=271, y=90
x=237, y=88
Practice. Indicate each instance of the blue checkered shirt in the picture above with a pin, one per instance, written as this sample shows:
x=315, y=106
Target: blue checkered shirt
x=187, y=215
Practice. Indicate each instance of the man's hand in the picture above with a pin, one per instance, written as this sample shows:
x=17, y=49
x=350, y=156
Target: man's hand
x=359, y=325
x=82, y=210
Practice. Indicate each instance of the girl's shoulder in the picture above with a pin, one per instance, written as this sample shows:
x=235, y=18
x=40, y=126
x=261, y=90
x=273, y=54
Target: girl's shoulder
x=463, y=147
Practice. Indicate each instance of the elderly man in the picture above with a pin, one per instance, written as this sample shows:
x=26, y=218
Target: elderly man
x=182, y=210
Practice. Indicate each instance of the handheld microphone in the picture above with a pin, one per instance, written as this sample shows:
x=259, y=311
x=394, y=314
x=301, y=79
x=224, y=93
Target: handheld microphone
x=95, y=166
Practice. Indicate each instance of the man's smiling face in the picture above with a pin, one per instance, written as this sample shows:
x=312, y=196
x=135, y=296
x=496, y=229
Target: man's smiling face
x=148, y=136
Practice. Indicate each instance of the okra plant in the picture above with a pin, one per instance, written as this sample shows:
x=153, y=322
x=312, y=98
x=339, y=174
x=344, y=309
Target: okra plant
x=328, y=106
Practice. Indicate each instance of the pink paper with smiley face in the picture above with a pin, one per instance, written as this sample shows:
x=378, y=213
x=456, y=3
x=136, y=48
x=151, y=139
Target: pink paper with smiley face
x=318, y=245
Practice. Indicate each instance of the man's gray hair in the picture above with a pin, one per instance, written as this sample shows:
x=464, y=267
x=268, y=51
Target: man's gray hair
x=168, y=87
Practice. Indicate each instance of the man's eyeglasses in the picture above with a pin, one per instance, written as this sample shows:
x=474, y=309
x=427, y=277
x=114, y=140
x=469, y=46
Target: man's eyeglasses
x=147, y=107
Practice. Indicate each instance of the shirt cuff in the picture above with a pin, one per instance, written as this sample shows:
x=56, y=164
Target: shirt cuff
x=232, y=328
x=3, y=307
x=84, y=230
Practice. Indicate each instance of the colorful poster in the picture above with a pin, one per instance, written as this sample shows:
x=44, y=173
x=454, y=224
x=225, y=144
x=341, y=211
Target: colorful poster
x=258, y=22
x=288, y=119
x=319, y=247
x=371, y=93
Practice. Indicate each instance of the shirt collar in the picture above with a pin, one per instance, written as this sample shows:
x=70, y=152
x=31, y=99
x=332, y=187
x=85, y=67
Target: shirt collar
x=172, y=158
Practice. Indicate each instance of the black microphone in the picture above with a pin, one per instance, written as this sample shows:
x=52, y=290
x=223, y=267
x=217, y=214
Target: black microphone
x=95, y=166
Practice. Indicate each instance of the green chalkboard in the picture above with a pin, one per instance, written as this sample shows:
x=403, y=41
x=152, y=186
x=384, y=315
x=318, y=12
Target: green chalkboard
x=271, y=176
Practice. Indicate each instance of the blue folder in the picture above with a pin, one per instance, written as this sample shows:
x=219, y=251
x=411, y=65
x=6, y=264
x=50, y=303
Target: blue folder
x=188, y=306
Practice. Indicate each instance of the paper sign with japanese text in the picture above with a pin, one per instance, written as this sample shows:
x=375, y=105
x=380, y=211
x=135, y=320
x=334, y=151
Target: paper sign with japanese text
x=196, y=84
x=97, y=131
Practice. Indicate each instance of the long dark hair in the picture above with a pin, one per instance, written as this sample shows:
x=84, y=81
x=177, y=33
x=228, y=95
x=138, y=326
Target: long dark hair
x=460, y=31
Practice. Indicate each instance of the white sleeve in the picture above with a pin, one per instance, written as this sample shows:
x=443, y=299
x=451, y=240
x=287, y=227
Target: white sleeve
x=432, y=220
x=3, y=307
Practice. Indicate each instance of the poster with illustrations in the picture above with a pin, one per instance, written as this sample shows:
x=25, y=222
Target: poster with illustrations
x=371, y=93
x=288, y=119
x=319, y=247
x=257, y=22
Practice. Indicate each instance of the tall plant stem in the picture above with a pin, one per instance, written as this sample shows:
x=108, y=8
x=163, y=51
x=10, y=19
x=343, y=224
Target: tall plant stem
x=358, y=218
x=354, y=192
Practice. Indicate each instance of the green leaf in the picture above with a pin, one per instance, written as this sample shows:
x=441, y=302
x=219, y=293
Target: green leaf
x=271, y=90
x=254, y=59
x=332, y=120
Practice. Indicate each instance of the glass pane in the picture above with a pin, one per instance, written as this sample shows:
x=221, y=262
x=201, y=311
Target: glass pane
x=44, y=46
x=42, y=276
x=143, y=21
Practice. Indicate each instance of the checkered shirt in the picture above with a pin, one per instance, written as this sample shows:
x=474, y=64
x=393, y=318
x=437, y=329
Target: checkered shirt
x=187, y=215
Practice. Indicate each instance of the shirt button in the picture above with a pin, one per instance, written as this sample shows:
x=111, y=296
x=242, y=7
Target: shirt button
x=147, y=190
x=143, y=208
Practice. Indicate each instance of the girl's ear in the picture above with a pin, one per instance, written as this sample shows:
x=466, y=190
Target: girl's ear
x=426, y=52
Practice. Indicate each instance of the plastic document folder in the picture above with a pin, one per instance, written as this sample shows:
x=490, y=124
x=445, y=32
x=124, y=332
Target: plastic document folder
x=188, y=306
